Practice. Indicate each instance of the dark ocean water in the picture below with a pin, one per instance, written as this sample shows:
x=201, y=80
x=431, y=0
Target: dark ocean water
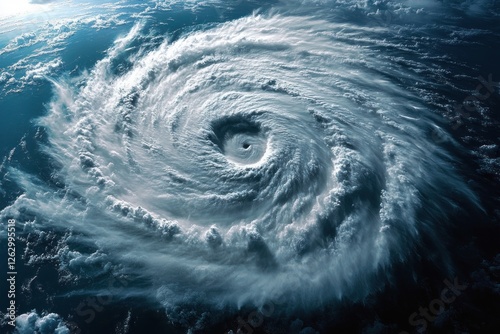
x=267, y=167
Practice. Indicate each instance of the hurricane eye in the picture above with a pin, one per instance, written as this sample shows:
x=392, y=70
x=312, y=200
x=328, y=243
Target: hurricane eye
x=240, y=138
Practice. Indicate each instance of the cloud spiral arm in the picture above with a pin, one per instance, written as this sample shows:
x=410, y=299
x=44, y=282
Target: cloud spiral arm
x=267, y=157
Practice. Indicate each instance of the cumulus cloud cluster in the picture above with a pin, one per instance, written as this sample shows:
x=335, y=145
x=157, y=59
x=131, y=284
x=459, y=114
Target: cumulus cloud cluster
x=32, y=322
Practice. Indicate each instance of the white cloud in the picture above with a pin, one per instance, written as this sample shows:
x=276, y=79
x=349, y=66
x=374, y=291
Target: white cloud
x=40, y=70
x=29, y=323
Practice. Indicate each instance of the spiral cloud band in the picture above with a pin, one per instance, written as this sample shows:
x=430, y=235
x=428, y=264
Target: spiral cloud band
x=269, y=157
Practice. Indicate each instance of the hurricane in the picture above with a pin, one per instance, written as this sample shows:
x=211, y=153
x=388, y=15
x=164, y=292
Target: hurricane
x=285, y=158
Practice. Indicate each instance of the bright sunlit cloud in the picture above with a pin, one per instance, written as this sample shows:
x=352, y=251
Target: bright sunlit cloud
x=9, y=8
